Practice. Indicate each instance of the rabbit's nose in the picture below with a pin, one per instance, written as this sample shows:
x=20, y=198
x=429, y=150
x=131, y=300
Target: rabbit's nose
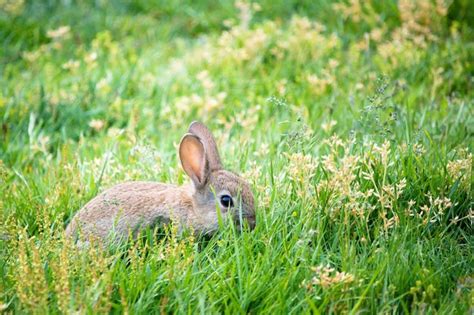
x=251, y=221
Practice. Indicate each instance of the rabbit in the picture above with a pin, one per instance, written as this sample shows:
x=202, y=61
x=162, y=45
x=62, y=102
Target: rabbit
x=133, y=206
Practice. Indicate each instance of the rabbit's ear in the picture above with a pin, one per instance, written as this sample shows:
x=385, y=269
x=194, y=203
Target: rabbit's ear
x=201, y=131
x=193, y=158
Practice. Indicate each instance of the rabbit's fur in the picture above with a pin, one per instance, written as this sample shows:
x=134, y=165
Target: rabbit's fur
x=133, y=206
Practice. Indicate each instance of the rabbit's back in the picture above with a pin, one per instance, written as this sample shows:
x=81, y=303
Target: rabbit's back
x=129, y=206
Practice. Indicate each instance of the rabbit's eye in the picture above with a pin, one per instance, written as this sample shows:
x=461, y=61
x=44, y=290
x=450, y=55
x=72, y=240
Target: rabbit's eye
x=226, y=201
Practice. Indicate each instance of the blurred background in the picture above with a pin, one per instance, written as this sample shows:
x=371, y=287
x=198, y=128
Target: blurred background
x=83, y=68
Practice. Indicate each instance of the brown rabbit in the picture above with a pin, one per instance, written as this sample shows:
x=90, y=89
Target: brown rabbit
x=133, y=206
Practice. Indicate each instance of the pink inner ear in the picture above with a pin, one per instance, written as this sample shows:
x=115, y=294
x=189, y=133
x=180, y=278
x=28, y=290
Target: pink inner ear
x=192, y=155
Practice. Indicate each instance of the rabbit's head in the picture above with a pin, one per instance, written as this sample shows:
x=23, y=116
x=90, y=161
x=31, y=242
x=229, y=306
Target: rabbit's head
x=213, y=186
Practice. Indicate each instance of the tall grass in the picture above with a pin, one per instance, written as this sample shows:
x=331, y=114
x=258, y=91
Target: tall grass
x=353, y=122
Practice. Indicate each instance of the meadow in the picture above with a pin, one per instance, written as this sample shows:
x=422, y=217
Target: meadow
x=352, y=120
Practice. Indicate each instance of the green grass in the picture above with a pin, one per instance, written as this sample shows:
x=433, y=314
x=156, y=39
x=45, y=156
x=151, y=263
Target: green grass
x=354, y=130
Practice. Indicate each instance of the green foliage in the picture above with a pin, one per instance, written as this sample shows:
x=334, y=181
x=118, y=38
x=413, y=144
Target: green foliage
x=352, y=120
